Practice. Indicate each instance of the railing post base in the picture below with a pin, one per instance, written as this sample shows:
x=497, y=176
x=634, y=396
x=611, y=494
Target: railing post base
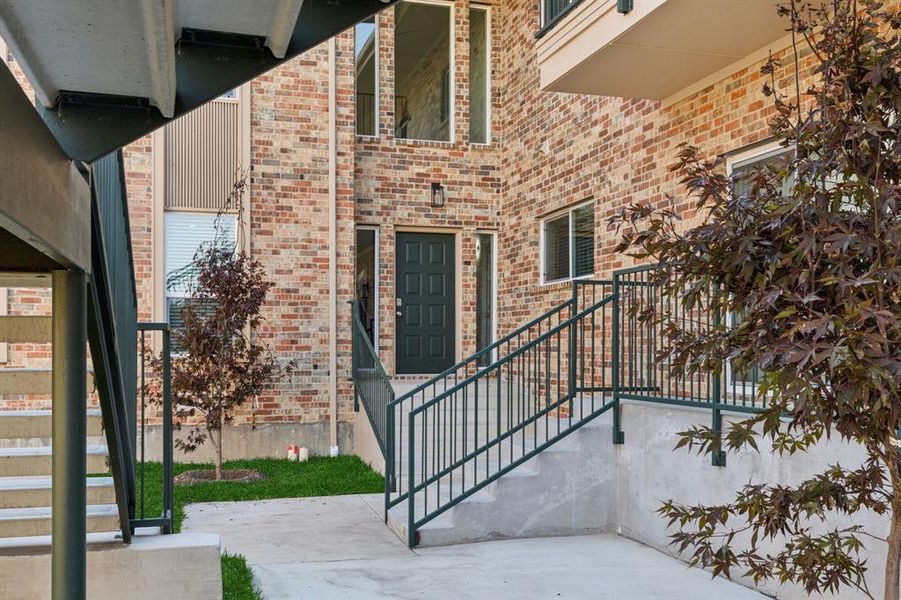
x=718, y=456
x=619, y=437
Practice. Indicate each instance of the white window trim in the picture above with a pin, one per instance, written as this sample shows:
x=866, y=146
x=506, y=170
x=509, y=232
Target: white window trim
x=378, y=280
x=452, y=67
x=738, y=387
x=377, y=41
x=550, y=217
x=488, y=53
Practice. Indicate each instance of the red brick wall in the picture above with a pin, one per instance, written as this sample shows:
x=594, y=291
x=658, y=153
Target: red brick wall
x=548, y=151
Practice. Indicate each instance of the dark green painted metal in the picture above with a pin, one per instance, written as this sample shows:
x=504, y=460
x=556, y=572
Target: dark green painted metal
x=619, y=436
x=543, y=358
x=530, y=367
x=69, y=498
x=372, y=386
x=112, y=326
x=424, y=258
x=624, y=6
x=204, y=72
x=165, y=519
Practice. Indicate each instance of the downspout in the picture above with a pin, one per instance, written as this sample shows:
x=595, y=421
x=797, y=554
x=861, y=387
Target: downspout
x=332, y=253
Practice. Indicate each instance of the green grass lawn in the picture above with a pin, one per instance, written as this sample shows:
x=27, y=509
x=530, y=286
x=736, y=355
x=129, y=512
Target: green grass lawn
x=319, y=476
x=237, y=580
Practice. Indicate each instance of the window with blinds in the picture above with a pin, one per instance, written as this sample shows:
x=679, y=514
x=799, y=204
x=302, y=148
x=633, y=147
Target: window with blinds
x=568, y=244
x=186, y=233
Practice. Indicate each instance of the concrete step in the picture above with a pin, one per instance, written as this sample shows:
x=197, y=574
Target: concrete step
x=28, y=492
x=36, y=521
x=564, y=490
x=18, y=381
x=25, y=329
x=26, y=424
x=24, y=462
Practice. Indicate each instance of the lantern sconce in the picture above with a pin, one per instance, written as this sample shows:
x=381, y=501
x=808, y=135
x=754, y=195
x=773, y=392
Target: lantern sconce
x=438, y=196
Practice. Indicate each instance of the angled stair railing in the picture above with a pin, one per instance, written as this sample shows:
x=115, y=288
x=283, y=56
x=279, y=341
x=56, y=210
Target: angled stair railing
x=397, y=409
x=477, y=431
x=372, y=387
x=113, y=332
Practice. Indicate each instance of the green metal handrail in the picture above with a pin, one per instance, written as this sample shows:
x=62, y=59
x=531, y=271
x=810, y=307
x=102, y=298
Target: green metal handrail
x=538, y=397
x=396, y=442
x=372, y=387
x=160, y=368
x=112, y=322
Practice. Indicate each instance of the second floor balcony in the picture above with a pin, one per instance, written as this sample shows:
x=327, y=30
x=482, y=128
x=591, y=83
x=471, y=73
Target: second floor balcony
x=649, y=48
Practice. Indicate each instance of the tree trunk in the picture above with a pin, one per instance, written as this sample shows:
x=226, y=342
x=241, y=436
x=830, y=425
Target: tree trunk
x=219, y=455
x=893, y=559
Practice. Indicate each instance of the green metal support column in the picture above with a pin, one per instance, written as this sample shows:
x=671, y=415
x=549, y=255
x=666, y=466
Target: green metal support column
x=69, y=550
x=718, y=456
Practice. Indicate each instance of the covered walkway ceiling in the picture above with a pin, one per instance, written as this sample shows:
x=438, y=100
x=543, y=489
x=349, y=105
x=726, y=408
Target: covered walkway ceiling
x=106, y=72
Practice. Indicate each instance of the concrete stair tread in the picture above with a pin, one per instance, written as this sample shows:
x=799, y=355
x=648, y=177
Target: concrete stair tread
x=91, y=412
x=16, y=452
x=38, y=424
x=29, y=329
x=42, y=543
x=44, y=512
x=35, y=482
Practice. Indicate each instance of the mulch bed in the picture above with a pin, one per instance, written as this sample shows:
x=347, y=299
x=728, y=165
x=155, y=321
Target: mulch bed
x=207, y=475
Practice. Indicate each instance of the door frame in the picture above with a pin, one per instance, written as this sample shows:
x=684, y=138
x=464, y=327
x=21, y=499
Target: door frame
x=458, y=285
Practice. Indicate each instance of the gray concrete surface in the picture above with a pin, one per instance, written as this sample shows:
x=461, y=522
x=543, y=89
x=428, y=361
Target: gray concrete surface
x=650, y=471
x=339, y=548
x=182, y=566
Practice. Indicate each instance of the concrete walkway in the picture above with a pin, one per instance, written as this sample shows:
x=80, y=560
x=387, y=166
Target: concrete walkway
x=338, y=548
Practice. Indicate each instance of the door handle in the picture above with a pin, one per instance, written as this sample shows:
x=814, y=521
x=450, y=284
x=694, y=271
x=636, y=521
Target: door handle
x=399, y=314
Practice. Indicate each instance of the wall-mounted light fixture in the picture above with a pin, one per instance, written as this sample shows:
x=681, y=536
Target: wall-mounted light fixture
x=438, y=197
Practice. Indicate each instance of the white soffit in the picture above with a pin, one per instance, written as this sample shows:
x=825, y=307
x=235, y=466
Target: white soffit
x=95, y=46
x=127, y=47
x=271, y=19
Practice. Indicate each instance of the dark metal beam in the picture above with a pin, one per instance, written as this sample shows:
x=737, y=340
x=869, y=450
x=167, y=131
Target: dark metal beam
x=204, y=70
x=69, y=497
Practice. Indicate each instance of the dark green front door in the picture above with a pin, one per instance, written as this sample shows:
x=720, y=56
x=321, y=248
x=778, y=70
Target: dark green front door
x=426, y=311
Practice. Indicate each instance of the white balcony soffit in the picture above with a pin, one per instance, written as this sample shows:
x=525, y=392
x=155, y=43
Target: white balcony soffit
x=658, y=49
x=127, y=48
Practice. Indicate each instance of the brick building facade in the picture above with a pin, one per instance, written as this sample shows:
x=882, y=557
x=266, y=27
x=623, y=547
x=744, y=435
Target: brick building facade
x=314, y=181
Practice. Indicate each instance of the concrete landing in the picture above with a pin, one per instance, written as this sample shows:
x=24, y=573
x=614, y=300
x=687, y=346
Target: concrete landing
x=339, y=548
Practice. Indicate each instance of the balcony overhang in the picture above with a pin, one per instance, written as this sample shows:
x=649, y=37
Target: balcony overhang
x=106, y=72
x=655, y=50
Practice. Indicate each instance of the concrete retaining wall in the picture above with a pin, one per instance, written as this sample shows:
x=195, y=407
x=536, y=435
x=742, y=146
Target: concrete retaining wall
x=265, y=440
x=649, y=471
x=365, y=444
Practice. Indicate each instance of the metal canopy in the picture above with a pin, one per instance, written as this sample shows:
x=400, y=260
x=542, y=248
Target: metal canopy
x=106, y=72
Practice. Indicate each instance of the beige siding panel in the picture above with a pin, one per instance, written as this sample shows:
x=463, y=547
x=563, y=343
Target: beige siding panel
x=203, y=157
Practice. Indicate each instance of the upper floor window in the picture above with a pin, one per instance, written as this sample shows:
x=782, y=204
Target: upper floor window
x=424, y=95
x=233, y=94
x=567, y=244
x=479, y=75
x=366, y=76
